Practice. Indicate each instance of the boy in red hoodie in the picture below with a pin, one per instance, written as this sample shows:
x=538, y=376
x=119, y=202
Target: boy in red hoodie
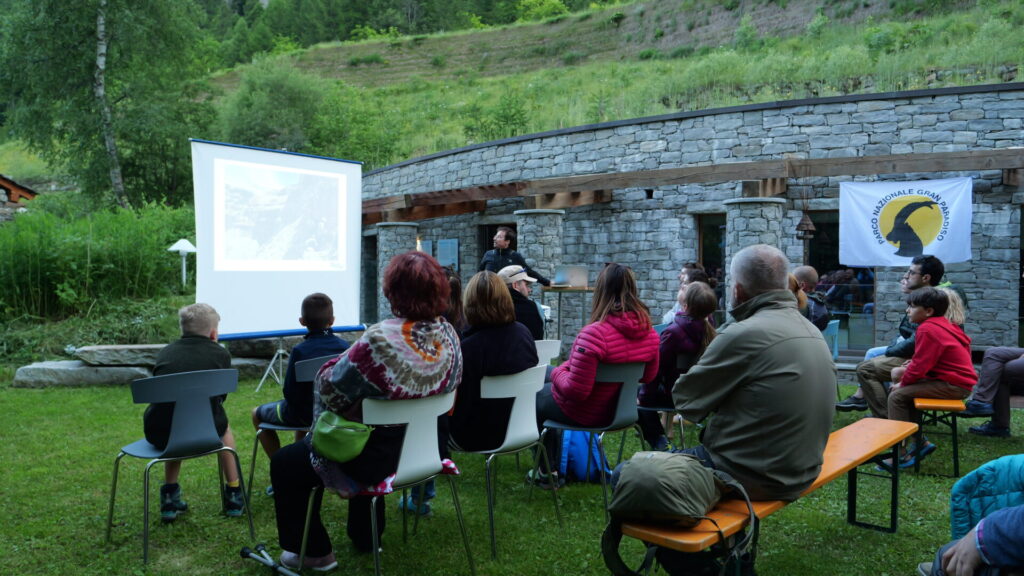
x=941, y=366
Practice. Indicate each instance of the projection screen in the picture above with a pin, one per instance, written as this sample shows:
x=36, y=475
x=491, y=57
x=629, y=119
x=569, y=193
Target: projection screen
x=272, y=227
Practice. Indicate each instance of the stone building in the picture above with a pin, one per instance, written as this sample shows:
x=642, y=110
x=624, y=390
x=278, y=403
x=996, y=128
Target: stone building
x=655, y=192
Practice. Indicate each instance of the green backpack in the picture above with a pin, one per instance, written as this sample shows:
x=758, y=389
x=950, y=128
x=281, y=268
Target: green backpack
x=672, y=489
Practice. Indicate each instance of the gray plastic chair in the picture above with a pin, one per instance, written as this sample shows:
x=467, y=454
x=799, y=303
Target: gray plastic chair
x=193, y=432
x=305, y=371
x=624, y=418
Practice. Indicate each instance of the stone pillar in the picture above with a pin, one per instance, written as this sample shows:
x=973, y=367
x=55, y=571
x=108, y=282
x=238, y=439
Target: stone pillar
x=750, y=221
x=393, y=238
x=539, y=240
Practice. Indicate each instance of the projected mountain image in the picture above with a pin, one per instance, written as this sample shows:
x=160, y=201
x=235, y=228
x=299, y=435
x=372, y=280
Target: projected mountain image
x=274, y=218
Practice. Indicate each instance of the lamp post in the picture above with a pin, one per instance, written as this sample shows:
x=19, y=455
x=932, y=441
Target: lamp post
x=184, y=248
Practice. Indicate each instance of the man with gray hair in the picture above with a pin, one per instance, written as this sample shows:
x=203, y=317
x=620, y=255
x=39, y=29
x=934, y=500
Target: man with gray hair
x=768, y=378
x=197, y=349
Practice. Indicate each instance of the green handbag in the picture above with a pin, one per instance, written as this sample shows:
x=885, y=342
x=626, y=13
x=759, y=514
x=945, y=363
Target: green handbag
x=338, y=439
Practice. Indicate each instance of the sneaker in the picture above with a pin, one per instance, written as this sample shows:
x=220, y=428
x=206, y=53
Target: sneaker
x=327, y=563
x=233, y=501
x=924, y=569
x=662, y=445
x=270, y=490
x=990, y=429
x=908, y=460
x=171, y=503
x=409, y=505
x=852, y=403
x=545, y=481
x=976, y=409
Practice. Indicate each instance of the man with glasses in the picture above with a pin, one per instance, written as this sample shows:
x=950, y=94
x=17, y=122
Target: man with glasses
x=874, y=371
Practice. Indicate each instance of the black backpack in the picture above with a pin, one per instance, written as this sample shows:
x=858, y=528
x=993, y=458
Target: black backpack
x=675, y=489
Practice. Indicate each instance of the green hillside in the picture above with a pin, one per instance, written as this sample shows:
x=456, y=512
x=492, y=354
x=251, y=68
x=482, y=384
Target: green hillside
x=429, y=93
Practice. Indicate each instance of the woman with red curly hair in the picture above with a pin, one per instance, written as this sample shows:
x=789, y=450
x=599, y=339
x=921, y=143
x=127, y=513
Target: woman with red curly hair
x=414, y=355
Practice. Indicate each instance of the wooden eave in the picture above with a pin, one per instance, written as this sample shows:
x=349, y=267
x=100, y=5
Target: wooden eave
x=15, y=191
x=767, y=178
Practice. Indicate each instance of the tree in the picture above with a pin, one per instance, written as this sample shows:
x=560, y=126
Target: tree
x=89, y=85
x=275, y=106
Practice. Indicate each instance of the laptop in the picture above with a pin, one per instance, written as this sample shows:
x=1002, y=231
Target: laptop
x=570, y=277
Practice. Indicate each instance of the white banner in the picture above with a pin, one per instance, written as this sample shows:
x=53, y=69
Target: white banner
x=888, y=223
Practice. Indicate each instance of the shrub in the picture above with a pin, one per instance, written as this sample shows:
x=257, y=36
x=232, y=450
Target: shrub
x=508, y=119
x=649, y=54
x=54, y=264
x=572, y=58
x=438, y=61
x=368, y=59
x=746, y=37
x=617, y=19
x=684, y=51
x=274, y=106
x=818, y=24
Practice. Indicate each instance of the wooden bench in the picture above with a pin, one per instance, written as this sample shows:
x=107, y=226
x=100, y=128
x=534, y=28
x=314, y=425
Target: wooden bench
x=934, y=412
x=862, y=442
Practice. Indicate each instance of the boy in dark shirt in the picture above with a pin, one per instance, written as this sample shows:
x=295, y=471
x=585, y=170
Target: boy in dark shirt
x=296, y=409
x=197, y=349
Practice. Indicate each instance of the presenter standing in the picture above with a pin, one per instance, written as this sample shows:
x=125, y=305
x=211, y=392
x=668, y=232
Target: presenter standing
x=502, y=256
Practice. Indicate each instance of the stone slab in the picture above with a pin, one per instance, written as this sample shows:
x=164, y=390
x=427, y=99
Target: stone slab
x=75, y=373
x=260, y=347
x=119, y=355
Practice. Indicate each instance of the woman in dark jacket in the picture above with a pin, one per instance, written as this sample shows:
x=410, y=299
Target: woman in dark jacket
x=494, y=345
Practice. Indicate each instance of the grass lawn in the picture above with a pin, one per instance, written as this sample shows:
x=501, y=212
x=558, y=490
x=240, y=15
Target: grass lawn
x=59, y=446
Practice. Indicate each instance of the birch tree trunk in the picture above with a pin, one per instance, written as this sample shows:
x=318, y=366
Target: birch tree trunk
x=106, y=121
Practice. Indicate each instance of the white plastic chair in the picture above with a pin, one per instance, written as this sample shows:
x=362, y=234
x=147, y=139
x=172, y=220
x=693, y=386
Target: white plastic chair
x=625, y=413
x=547, y=350
x=419, y=461
x=305, y=371
x=521, y=433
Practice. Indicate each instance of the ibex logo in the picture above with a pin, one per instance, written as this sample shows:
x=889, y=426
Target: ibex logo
x=910, y=220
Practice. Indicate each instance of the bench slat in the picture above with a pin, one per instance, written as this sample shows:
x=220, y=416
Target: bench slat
x=846, y=449
x=941, y=405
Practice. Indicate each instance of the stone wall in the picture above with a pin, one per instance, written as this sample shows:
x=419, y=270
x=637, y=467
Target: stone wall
x=655, y=230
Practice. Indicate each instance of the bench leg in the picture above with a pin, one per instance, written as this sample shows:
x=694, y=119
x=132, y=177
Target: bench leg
x=851, y=495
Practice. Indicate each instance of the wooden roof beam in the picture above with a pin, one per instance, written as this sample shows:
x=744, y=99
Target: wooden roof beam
x=560, y=200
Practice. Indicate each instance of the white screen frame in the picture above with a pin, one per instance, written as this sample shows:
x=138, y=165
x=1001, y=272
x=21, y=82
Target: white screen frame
x=272, y=227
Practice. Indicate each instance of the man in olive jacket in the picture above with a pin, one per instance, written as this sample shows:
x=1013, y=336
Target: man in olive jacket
x=768, y=382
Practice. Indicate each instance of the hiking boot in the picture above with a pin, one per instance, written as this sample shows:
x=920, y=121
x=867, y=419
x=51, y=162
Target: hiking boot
x=327, y=563
x=233, y=501
x=990, y=429
x=408, y=504
x=545, y=481
x=171, y=503
x=924, y=569
x=976, y=409
x=852, y=403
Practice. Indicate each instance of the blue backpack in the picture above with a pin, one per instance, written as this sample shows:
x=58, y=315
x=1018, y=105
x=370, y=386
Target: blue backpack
x=573, y=465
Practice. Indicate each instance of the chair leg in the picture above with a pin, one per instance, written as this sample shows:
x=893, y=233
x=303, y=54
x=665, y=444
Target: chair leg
x=145, y=511
x=489, y=484
x=245, y=499
x=376, y=535
x=956, y=447
x=113, y=493
x=252, y=463
x=309, y=519
x=462, y=524
x=604, y=479
x=554, y=493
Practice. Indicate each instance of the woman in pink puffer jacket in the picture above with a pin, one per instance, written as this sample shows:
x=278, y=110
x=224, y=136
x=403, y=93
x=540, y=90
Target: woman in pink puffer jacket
x=619, y=332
